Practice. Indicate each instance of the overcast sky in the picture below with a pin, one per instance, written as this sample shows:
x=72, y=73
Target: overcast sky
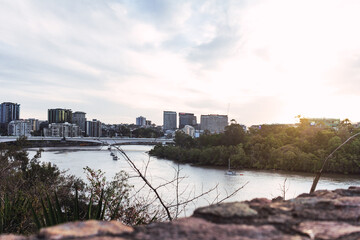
x=258, y=61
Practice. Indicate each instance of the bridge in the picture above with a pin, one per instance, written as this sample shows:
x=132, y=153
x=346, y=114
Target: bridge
x=99, y=140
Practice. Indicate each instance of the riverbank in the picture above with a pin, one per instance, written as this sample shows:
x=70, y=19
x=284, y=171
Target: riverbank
x=286, y=158
x=194, y=179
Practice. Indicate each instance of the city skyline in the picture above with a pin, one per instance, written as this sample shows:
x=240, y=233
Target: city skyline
x=255, y=61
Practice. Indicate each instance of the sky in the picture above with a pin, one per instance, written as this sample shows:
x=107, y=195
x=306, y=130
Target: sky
x=258, y=61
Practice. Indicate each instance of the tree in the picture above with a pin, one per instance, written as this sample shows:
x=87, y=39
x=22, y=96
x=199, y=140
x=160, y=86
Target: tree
x=183, y=140
x=234, y=134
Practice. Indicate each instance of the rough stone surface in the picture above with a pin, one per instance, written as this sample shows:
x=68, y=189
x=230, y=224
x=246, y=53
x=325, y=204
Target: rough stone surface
x=11, y=237
x=227, y=210
x=321, y=215
x=197, y=228
x=86, y=229
x=328, y=230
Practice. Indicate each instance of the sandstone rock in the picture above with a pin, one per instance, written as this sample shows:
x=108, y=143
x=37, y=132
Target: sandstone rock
x=11, y=237
x=196, y=228
x=85, y=229
x=226, y=211
x=320, y=215
x=351, y=191
x=329, y=230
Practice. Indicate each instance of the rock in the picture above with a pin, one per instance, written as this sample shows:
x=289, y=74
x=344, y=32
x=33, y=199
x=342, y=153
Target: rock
x=320, y=215
x=11, y=237
x=329, y=230
x=87, y=229
x=226, y=211
x=196, y=228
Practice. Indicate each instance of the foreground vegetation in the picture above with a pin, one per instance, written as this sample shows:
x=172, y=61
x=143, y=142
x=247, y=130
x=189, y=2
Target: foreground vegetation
x=35, y=194
x=281, y=147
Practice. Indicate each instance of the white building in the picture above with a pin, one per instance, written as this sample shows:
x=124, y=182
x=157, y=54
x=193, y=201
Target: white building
x=19, y=128
x=62, y=130
x=189, y=130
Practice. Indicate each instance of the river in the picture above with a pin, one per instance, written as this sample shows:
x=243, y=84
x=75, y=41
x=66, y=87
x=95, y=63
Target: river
x=194, y=180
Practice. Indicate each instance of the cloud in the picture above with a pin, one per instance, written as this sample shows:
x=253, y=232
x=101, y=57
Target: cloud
x=123, y=58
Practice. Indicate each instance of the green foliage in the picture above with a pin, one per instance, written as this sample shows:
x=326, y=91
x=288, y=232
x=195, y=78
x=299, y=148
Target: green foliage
x=28, y=201
x=117, y=203
x=234, y=134
x=11, y=213
x=183, y=140
x=53, y=214
x=301, y=148
x=147, y=133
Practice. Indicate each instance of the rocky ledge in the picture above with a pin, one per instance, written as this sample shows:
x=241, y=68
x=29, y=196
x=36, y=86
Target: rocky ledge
x=321, y=215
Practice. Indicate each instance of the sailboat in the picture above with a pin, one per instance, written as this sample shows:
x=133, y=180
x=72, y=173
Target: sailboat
x=229, y=171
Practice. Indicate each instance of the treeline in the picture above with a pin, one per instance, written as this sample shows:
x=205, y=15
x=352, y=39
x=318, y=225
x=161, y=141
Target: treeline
x=281, y=147
x=132, y=131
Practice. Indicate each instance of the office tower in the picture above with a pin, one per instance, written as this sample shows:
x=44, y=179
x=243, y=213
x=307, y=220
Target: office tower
x=9, y=112
x=59, y=115
x=93, y=128
x=214, y=123
x=79, y=118
x=141, y=121
x=169, y=120
x=187, y=119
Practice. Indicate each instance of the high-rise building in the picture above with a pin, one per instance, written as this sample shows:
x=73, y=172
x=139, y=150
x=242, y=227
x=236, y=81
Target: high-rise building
x=214, y=123
x=34, y=123
x=187, y=119
x=9, y=112
x=59, y=115
x=93, y=128
x=169, y=120
x=141, y=121
x=79, y=118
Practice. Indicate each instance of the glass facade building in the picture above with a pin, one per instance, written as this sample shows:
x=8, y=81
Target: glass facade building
x=187, y=119
x=169, y=120
x=59, y=115
x=9, y=112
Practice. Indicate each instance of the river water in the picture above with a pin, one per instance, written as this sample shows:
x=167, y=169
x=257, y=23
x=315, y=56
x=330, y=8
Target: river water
x=194, y=180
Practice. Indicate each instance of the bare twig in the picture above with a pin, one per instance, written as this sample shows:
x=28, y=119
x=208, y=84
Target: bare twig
x=317, y=177
x=233, y=193
x=194, y=198
x=283, y=188
x=176, y=206
x=131, y=163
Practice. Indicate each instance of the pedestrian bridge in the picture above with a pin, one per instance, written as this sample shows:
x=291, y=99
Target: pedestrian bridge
x=101, y=140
